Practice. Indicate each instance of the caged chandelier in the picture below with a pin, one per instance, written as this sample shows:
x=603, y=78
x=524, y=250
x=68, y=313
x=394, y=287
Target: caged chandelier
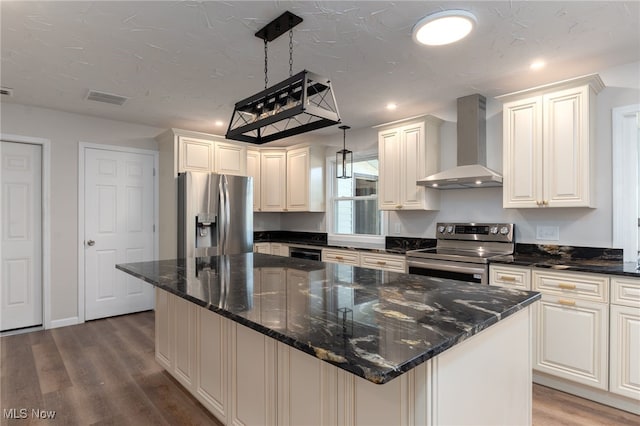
x=299, y=104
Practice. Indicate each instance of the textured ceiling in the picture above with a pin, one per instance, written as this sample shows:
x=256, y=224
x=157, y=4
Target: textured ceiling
x=184, y=64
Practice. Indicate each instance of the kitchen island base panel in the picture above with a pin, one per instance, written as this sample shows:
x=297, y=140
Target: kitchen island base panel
x=485, y=379
x=587, y=392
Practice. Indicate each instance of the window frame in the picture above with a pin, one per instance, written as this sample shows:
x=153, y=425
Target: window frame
x=351, y=240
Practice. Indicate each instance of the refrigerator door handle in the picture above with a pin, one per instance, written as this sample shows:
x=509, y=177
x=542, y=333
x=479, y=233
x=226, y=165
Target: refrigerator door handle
x=227, y=214
x=222, y=217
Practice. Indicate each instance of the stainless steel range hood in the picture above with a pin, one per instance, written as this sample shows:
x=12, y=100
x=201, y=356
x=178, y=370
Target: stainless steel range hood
x=472, y=171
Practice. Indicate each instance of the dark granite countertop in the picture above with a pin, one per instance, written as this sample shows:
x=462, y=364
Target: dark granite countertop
x=574, y=259
x=393, y=244
x=591, y=266
x=374, y=324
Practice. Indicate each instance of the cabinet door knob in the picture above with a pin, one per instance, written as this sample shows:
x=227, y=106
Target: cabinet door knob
x=399, y=206
x=545, y=203
x=91, y=243
x=539, y=203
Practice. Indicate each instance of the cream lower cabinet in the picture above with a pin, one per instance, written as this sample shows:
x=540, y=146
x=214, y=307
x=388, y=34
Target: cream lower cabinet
x=348, y=257
x=253, y=378
x=408, y=153
x=384, y=262
x=246, y=378
x=510, y=277
x=176, y=337
x=264, y=248
x=549, y=141
x=212, y=355
x=164, y=329
x=279, y=249
x=624, y=376
x=572, y=327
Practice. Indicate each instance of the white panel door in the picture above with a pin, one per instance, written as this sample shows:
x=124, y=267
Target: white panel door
x=21, y=218
x=119, y=216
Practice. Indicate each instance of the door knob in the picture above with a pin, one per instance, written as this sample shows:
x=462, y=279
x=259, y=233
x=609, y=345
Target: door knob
x=91, y=243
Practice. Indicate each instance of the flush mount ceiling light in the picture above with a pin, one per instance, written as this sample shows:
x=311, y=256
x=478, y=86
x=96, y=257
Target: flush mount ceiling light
x=299, y=104
x=445, y=27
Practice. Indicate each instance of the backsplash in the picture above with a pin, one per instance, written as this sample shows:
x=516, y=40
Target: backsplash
x=569, y=253
x=402, y=244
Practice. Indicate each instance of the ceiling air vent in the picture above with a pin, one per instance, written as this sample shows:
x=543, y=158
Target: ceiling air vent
x=6, y=91
x=108, y=98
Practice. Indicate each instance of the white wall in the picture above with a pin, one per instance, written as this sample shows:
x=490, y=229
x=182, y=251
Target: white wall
x=66, y=130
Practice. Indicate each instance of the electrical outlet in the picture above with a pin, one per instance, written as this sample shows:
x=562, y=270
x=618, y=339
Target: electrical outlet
x=547, y=233
x=397, y=229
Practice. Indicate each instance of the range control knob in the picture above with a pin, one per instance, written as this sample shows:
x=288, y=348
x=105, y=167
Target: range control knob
x=441, y=229
x=494, y=230
x=504, y=230
x=450, y=229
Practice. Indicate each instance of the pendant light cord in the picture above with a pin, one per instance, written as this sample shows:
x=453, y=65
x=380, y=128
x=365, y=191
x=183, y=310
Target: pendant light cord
x=266, y=78
x=290, y=50
x=344, y=138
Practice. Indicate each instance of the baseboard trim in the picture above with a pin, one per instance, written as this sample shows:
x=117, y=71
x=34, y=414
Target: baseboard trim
x=597, y=395
x=64, y=322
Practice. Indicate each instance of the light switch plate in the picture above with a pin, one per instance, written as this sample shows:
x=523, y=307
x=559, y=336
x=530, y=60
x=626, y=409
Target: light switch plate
x=547, y=233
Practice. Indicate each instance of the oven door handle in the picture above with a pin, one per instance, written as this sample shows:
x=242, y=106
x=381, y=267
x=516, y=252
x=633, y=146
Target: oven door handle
x=439, y=265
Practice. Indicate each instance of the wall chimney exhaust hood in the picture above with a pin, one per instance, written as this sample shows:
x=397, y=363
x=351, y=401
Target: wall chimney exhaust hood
x=472, y=171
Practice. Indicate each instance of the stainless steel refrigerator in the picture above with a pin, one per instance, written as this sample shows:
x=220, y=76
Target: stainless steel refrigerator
x=215, y=214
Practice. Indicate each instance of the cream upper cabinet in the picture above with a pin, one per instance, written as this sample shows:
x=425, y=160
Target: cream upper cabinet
x=230, y=158
x=195, y=155
x=408, y=153
x=548, y=145
x=184, y=151
x=273, y=180
x=305, y=179
x=253, y=170
x=291, y=179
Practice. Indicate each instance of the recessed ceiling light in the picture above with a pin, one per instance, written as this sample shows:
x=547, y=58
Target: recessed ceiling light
x=219, y=123
x=391, y=106
x=447, y=26
x=536, y=65
x=478, y=182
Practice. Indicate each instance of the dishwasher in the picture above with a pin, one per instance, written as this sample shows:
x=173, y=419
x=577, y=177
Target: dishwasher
x=305, y=253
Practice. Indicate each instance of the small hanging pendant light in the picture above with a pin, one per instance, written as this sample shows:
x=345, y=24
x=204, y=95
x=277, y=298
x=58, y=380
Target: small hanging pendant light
x=344, y=158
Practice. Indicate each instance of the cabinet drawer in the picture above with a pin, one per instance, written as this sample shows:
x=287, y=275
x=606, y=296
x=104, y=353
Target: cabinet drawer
x=625, y=291
x=385, y=262
x=509, y=276
x=341, y=256
x=575, y=285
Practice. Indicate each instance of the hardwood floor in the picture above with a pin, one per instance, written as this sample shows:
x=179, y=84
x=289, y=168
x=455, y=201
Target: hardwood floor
x=104, y=373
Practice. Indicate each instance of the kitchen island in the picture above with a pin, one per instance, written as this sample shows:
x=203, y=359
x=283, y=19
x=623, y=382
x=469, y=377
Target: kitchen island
x=262, y=339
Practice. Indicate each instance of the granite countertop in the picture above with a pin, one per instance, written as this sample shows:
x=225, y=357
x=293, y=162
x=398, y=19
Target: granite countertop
x=574, y=259
x=374, y=324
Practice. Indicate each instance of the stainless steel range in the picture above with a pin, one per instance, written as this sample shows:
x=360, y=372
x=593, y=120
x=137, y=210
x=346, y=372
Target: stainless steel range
x=463, y=251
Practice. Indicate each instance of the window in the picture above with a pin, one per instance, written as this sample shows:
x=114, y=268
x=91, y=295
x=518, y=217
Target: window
x=353, y=210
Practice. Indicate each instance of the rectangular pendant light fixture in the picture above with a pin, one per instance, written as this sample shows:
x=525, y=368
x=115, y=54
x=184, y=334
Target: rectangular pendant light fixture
x=298, y=104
